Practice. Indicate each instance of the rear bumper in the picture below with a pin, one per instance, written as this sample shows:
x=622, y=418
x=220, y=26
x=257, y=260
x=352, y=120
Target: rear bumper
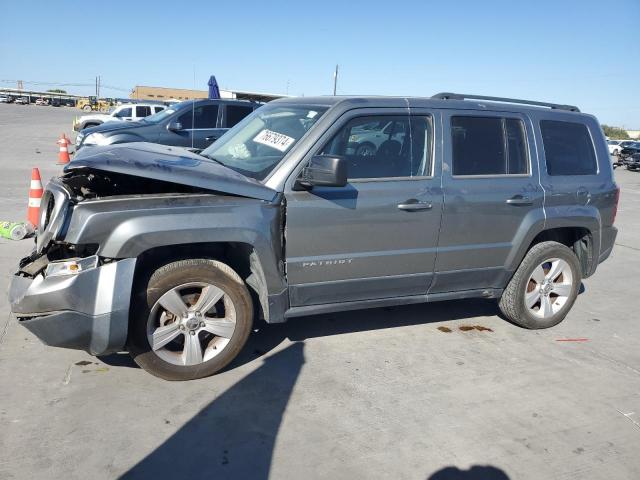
x=608, y=240
x=88, y=311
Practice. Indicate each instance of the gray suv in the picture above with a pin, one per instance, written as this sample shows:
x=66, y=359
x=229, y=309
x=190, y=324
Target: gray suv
x=192, y=124
x=173, y=255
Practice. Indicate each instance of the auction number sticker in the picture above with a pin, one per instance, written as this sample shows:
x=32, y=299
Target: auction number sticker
x=272, y=139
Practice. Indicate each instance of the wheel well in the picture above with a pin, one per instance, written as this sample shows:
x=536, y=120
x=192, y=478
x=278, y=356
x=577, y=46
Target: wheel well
x=241, y=257
x=579, y=239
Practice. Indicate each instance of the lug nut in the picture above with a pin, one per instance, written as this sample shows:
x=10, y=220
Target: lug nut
x=202, y=324
x=192, y=332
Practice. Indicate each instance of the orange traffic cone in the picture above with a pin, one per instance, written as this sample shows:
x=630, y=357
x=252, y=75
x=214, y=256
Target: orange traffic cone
x=35, y=194
x=63, y=156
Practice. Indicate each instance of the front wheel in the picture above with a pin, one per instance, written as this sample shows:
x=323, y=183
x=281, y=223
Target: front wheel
x=544, y=287
x=190, y=319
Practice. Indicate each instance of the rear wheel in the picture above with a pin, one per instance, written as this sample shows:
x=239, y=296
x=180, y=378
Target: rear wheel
x=544, y=287
x=191, y=320
x=87, y=108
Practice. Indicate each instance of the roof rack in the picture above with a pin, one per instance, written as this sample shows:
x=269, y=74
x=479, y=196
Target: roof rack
x=465, y=96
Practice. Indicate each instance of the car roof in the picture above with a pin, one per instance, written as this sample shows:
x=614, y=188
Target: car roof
x=349, y=102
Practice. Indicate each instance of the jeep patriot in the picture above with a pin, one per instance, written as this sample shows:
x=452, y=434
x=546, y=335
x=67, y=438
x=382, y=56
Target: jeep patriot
x=315, y=205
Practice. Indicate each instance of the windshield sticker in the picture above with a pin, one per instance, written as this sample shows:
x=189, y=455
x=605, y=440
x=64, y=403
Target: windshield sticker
x=276, y=140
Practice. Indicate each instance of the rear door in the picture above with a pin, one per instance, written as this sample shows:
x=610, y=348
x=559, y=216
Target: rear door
x=491, y=193
x=376, y=237
x=142, y=111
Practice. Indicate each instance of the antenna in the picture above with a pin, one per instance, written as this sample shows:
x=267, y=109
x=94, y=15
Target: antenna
x=193, y=106
x=335, y=81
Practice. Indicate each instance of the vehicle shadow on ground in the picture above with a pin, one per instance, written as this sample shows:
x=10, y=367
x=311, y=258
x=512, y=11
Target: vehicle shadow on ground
x=476, y=472
x=234, y=436
x=266, y=337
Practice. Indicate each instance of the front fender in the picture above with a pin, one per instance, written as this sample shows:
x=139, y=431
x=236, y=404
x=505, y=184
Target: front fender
x=127, y=227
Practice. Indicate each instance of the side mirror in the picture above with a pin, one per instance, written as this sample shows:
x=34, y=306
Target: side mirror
x=325, y=171
x=174, y=126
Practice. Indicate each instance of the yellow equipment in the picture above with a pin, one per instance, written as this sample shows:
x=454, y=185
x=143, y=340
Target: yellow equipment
x=94, y=104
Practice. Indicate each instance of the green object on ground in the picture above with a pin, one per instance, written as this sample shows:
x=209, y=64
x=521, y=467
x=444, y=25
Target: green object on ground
x=15, y=230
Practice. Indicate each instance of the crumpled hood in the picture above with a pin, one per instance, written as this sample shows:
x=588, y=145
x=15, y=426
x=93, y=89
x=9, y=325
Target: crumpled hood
x=169, y=164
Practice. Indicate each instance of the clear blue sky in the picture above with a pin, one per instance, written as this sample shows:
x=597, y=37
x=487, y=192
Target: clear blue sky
x=582, y=52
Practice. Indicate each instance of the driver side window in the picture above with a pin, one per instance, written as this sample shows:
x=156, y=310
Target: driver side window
x=384, y=146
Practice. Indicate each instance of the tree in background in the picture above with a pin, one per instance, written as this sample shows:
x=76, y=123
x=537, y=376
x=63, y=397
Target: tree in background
x=615, y=132
x=57, y=90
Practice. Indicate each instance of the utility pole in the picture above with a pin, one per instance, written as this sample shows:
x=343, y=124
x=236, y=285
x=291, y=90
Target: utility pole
x=335, y=81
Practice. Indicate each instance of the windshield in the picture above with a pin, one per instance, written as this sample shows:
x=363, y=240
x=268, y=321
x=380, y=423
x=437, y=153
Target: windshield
x=158, y=117
x=259, y=142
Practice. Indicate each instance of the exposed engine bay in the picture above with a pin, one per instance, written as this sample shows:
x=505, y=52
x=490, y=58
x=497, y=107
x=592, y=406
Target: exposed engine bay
x=88, y=183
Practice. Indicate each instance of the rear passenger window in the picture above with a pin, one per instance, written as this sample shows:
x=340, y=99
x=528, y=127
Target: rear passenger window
x=143, y=111
x=568, y=148
x=205, y=116
x=235, y=113
x=488, y=146
x=384, y=146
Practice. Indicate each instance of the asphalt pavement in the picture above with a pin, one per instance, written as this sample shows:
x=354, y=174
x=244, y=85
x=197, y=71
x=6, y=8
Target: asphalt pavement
x=410, y=392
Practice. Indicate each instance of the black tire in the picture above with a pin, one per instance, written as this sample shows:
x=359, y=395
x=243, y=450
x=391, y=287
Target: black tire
x=512, y=302
x=165, y=279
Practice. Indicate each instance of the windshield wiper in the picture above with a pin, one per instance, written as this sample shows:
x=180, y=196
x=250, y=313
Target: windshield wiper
x=212, y=158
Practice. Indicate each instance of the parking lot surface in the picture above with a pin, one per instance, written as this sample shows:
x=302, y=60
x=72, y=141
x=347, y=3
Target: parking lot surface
x=400, y=392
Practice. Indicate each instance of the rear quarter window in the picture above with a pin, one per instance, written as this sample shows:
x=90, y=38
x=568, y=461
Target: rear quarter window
x=568, y=148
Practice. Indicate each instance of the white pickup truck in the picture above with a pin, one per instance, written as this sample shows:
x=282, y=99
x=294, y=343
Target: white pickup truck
x=128, y=112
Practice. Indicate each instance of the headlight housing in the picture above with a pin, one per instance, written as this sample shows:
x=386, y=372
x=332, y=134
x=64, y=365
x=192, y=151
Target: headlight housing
x=71, y=267
x=96, y=138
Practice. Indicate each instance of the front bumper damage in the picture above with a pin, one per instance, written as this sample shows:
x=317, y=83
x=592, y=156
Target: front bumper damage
x=87, y=311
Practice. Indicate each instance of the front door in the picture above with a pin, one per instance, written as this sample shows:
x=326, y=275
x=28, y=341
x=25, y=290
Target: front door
x=492, y=196
x=377, y=236
x=199, y=127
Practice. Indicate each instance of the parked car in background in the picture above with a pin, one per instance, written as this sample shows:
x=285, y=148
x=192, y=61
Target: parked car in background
x=632, y=162
x=174, y=255
x=4, y=99
x=615, y=146
x=625, y=154
x=42, y=101
x=128, y=112
x=369, y=138
x=21, y=101
x=194, y=124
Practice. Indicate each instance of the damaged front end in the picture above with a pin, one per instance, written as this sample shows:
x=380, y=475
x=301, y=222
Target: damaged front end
x=66, y=293
x=74, y=289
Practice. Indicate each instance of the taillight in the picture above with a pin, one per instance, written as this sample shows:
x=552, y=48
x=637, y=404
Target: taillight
x=615, y=206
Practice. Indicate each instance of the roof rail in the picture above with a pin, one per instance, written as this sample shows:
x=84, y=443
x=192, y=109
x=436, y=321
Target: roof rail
x=465, y=96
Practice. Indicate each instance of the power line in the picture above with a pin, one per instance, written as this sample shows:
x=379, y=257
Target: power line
x=65, y=84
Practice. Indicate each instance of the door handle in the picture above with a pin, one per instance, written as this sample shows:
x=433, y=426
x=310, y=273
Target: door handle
x=211, y=138
x=519, y=200
x=414, y=205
